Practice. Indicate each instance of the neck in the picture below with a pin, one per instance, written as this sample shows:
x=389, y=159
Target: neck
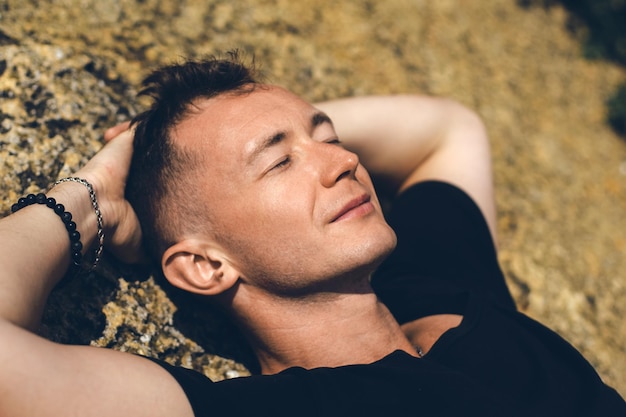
x=329, y=330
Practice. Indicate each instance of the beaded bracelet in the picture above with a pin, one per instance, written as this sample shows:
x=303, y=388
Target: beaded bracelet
x=94, y=204
x=75, y=244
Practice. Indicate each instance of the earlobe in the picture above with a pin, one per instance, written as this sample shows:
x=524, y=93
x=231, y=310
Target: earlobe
x=197, y=267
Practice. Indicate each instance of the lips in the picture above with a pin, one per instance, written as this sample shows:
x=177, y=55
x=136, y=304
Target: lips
x=356, y=206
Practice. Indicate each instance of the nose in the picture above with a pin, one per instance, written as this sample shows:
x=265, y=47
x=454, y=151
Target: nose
x=336, y=163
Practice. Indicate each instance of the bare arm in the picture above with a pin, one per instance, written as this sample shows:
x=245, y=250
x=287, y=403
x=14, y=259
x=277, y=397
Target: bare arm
x=41, y=378
x=406, y=139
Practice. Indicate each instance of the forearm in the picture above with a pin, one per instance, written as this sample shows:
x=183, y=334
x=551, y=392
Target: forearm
x=35, y=252
x=391, y=134
x=406, y=139
x=35, y=245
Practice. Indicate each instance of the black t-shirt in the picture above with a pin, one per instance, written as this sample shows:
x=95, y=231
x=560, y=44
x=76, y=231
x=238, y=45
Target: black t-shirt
x=498, y=362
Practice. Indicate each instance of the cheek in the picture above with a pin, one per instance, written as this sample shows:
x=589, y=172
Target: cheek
x=269, y=218
x=283, y=206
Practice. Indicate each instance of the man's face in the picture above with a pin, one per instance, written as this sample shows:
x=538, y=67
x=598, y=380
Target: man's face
x=292, y=208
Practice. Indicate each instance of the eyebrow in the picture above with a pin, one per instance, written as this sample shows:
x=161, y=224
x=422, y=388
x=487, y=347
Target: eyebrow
x=319, y=118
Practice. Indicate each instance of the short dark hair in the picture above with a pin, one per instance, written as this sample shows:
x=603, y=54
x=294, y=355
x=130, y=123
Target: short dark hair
x=160, y=186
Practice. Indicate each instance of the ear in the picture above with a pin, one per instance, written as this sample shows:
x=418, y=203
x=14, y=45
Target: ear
x=198, y=267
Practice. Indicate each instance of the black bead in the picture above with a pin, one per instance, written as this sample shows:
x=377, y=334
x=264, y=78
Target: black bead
x=30, y=199
x=21, y=202
x=15, y=207
x=70, y=226
x=51, y=202
x=77, y=257
x=59, y=209
x=40, y=198
x=66, y=217
x=77, y=246
x=74, y=236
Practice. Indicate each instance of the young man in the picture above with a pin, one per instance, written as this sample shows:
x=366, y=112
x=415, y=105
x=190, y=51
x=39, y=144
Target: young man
x=254, y=198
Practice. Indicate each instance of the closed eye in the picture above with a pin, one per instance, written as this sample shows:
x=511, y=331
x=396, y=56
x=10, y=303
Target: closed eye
x=281, y=163
x=334, y=141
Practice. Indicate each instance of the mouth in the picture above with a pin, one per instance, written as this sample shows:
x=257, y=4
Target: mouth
x=356, y=207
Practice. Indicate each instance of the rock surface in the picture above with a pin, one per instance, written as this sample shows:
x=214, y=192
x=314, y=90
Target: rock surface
x=69, y=69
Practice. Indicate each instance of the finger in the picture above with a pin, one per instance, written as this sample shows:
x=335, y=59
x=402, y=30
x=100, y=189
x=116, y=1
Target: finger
x=109, y=167
x=129, y=248
x=114, y=131
x=118, y=151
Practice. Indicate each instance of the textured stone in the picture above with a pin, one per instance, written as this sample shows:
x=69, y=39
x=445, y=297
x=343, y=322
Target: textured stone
x=69, y=69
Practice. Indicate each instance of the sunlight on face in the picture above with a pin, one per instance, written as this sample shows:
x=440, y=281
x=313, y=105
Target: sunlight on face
x=293, y=208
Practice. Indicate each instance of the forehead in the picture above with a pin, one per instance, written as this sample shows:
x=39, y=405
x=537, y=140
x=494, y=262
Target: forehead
x=232, y=122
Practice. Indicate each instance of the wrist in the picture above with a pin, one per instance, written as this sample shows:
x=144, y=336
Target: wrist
x=99, y=238
x=78, y=197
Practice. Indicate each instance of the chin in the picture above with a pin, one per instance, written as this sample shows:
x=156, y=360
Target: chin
x=386, y=248
x=373, y=251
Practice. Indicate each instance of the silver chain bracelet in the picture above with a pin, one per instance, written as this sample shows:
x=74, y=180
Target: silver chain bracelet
x=94, y=204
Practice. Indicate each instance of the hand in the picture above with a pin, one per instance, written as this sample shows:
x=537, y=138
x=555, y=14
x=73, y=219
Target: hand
x=107, y=171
